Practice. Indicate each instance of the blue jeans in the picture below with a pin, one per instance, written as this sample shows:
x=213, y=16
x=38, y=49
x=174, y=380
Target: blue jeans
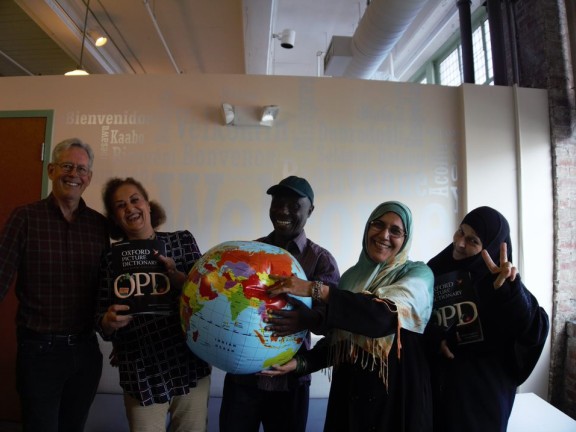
x=57, y=383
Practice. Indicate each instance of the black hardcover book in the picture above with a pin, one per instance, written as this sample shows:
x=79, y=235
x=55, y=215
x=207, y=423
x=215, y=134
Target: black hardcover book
x=140, y=280
x=455, y=306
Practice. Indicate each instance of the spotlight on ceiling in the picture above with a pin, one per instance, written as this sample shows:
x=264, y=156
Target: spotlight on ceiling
x=287, y=38
x=100, y=41
x=269, y=114
x=98, y=38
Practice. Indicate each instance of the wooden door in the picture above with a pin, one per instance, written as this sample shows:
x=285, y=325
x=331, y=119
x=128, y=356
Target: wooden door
x=22, y=168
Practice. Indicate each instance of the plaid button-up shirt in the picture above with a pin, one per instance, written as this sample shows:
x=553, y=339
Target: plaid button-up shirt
x=56, y=263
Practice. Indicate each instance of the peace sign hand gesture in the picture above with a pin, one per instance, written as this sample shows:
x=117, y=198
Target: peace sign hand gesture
x=506, y=269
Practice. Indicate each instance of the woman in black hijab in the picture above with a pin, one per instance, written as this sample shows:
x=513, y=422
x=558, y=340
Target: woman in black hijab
x=485, y=335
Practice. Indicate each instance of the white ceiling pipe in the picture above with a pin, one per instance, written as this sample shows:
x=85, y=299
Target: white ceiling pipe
x=161, y=36
x=382, y=25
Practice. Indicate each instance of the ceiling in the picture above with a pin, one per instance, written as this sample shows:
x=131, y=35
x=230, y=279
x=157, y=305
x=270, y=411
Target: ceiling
x=44, y=37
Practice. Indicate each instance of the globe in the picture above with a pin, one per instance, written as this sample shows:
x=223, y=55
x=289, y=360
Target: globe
x=224, y=302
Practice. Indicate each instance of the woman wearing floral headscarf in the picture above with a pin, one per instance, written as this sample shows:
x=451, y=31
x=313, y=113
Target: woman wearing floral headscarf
x=376, y=318
x=475, y=379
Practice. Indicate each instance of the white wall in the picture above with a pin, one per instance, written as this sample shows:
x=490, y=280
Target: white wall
x=358, y=142
x=441, y=150
x=508, y=166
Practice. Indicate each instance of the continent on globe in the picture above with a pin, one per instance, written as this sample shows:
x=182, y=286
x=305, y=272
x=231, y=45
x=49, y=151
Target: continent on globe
x=224, y=303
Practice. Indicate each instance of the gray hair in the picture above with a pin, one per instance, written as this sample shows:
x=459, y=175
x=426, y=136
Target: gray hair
x=73, y=142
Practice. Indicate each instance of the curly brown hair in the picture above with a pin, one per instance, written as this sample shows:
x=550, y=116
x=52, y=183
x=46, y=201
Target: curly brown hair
x=157, y=213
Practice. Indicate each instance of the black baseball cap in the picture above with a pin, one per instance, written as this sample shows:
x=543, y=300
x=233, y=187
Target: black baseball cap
x=295, y=184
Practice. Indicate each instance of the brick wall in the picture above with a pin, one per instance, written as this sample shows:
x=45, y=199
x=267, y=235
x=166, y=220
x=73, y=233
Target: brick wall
x=545, y=61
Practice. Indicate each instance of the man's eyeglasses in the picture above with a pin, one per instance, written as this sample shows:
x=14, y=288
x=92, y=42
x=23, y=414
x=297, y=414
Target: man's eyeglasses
x=393, y=231
x=68, y=167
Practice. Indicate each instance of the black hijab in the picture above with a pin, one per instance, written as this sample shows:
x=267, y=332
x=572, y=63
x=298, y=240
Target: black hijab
x=492, y=228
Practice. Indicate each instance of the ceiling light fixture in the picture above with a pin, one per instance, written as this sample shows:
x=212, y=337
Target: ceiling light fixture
x=99, y=40
x=80, y=70
x=287, y=38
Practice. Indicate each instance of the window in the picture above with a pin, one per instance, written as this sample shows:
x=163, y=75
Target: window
x=445, y=67
x=450, y=69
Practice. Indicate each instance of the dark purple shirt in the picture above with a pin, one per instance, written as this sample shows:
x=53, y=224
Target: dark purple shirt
x=317, y=262
x=318, y=265
x=57, y=265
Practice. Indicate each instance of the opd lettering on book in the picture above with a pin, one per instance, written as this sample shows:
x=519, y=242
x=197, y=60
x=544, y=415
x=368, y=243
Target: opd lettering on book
x=465, y=312
x=141, y=284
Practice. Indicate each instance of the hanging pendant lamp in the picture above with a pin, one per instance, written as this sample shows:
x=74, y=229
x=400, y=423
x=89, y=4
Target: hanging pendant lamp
x=80, y=69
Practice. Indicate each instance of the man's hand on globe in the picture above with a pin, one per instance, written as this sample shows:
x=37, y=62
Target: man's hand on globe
x=277, y=370
x=289, y=285
x=287, y=322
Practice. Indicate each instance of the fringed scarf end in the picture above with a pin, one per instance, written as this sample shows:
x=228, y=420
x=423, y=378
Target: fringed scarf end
x=374, y=358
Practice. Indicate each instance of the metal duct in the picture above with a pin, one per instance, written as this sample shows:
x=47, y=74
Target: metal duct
x=381, y=26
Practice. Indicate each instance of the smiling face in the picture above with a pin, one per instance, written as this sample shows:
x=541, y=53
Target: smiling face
x=132, y=212
x=69, y=186
x=466, y=243
x=380, y=245
x=289, y=213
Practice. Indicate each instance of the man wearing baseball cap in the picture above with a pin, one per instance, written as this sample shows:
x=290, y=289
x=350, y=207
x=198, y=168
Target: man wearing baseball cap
x=295, y=184
x=251, y=400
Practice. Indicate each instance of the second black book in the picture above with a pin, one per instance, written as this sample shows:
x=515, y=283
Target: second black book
x=455, y=306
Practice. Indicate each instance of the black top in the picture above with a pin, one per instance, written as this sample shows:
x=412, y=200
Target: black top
x=359, y=401
x=475, y=390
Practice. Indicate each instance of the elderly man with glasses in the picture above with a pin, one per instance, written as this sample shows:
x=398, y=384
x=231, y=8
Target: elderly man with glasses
x=52, y=248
